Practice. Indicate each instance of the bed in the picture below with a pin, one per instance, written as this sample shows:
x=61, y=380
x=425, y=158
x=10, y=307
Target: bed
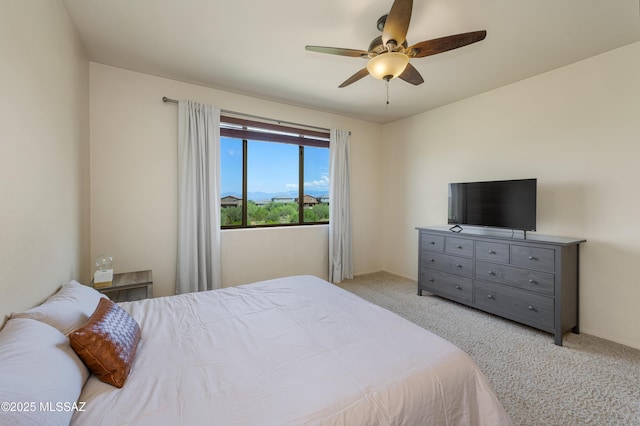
x=295, y=350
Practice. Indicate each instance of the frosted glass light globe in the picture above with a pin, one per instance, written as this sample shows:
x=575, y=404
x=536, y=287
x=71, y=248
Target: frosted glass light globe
x=104, y=262
x=387, y=65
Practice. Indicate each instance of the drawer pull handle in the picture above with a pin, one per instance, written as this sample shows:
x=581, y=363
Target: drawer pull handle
x=491, y=273
x=432, y=260
x=533, y=258
x=431, y=279
x=458, y=265
x=459, y=247
x=490, y=296
x=492, y=252
x=533, y=282
x=531, y=308
x=458, y=287
x=432, y=243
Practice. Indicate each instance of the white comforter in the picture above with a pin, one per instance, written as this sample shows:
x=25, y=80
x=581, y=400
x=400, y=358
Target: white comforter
x=289, y=351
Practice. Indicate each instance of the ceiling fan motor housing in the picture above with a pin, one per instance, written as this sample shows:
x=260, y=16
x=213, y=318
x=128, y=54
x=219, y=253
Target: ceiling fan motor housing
x=381, y=22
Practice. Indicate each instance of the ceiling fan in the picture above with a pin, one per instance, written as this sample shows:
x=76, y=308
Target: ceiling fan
x=389, y=53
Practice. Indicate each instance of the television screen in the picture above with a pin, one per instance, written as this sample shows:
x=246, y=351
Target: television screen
x=502, y=204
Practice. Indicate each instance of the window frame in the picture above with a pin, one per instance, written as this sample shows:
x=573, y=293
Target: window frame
x=251, y=130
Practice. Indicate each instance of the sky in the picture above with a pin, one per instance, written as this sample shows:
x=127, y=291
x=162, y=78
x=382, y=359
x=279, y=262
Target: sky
x=272, y=167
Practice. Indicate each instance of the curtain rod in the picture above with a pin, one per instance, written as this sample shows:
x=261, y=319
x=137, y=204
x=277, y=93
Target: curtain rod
x=175, y=101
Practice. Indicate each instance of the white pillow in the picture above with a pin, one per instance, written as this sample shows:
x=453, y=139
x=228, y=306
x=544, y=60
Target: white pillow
x=38, y=366
x=66, y=310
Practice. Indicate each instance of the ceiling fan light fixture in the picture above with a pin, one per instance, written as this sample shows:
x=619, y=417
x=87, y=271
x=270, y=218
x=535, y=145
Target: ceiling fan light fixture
x=387, y=65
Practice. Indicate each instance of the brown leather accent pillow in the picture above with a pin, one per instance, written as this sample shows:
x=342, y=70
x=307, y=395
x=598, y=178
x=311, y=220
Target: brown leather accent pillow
x=107, y=342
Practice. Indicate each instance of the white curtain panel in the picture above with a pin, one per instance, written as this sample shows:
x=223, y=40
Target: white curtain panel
x=198, y=267
x=340, y=259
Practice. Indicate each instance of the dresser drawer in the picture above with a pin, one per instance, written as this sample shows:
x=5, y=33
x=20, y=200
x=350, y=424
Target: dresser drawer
x=446, y=263
x=432, y=242
x=518, y=305
x=459, y=246
x=533, y=257
x=536, y=281
x=447, y=285
x=494, y=252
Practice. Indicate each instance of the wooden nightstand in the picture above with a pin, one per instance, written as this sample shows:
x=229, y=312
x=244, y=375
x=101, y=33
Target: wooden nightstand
x=129, y=286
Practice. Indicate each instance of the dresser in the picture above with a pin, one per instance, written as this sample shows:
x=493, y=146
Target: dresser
x=534, y=281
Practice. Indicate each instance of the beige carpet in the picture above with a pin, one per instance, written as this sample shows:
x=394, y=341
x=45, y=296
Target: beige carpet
x=588, y=381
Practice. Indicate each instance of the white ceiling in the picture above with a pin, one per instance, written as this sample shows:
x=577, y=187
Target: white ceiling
x=256, y=48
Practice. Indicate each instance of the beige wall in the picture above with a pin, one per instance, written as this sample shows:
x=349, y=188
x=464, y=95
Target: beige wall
x=577, y=130
x=134, y=195
x=44, y=137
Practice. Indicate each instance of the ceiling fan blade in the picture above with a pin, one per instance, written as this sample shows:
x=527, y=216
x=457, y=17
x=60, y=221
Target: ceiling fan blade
x=411, y=75
x=339, y=51
x=397, y=23
x=443, y=44
x=357, y=76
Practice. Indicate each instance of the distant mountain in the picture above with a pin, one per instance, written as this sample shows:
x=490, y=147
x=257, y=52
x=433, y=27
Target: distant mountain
x=260, y=196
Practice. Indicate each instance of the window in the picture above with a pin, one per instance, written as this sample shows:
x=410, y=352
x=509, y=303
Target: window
x=272, y=175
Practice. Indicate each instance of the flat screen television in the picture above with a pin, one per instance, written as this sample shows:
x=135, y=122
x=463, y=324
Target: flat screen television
x=501, y=204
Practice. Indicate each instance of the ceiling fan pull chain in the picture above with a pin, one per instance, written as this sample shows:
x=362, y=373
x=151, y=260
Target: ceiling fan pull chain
x=386, y=82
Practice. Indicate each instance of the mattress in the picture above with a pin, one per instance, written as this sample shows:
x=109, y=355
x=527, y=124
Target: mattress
x=294, y=351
